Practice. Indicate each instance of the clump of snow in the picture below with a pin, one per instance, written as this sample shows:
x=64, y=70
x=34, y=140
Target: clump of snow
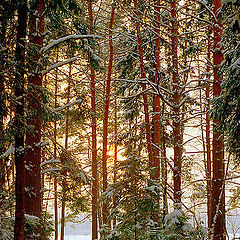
x=9, y=151
x=31, y=217
x=175, y=214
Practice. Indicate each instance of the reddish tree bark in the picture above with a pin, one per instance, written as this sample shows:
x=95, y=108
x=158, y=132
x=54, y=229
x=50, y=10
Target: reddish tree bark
x=105, y=120
x=177, y=139
x=218, y=196
x=19, y=114
x=33, y=138
x=145, y=100
x=94, y=138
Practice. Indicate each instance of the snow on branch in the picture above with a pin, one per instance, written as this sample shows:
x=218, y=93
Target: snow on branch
x=50, y=170
x=63, y=39
x=59, y=64
x=49, y=162
x=67, y=105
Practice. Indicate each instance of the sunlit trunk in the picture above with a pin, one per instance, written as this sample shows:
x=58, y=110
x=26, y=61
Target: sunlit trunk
x=105, y=121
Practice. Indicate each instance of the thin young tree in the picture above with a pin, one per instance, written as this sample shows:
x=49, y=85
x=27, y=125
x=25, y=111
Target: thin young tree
x=115, y=154
x=94, y=138
x=64, y=184
x=143, y=76
x=106, y=115
x=177, y=135
x=55, y=155
x=208, y=132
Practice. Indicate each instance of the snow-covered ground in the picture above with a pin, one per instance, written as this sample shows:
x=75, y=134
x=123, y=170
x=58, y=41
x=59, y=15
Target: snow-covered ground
x=78, y=237
x=82, y=230
x=78, y=231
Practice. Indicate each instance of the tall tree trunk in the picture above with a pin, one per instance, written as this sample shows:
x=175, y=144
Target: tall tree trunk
x=177, y=139
x=64, y=185
x=19, y=115
x=105, y=120
x=33, y=138
x=218, y=196
x=143, y=76
x=94, y=139
x=55, y=157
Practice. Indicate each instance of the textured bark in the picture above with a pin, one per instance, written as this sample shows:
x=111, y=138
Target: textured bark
x=145, y=100
x=94, y=138
x=19, y=115
x=218, y=196
x=33, y=138
x=105, y=120
x=177, y=139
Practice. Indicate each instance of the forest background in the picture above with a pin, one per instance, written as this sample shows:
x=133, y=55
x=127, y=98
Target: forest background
x=127, y=111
